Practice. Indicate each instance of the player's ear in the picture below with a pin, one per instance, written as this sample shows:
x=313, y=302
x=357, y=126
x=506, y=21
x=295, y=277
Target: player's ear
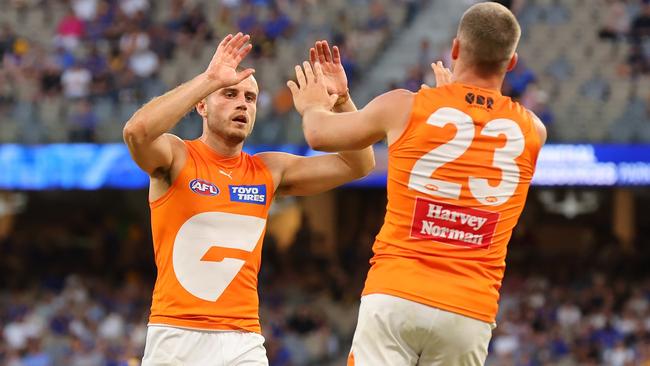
x=202, y=109
x=513, y=61
x=455, y=49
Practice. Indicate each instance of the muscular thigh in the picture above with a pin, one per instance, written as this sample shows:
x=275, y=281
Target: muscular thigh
x=457, y=340
x=395, y=331
x=387, y=333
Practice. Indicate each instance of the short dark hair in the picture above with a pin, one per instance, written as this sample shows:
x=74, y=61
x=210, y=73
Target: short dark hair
x=488, y=34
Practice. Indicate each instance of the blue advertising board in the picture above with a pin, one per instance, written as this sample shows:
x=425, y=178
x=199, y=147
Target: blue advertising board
x=95, y=166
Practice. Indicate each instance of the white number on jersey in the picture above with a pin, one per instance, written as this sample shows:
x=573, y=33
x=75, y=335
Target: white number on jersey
x=504, y=159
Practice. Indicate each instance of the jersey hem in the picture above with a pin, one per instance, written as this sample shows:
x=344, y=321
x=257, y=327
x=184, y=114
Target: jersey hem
x=435, y=304
x=202, y=326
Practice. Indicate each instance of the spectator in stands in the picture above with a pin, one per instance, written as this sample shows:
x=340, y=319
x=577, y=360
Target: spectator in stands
x=120, y=43
x=596, y=87
x=83, y=121
x=414, y=78
x=378, y=20
x=277, y=24
x=425, y=54
x=7, y=39
x=131, y=8
x=637, y=62
x=97, y=27
x=640, y=28
x=616, y=21
x=70, y=31
x=84, y=10
x=76, y=81
x=518, y=80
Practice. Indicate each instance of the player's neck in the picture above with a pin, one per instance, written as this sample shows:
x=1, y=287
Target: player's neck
x=222, y=146
x=470, y=77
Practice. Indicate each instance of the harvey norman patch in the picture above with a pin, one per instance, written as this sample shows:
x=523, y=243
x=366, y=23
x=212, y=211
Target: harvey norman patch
x=451, y=224
x=248, y=194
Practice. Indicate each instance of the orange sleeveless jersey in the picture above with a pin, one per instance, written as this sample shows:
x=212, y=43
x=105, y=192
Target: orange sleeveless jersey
x=457, y=182
x=207, y=236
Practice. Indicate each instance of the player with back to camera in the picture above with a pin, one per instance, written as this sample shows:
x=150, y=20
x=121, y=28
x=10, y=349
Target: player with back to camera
x=461, y=157
x=209, y=204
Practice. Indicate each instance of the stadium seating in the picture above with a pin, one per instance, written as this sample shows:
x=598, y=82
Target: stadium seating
x=40, y=35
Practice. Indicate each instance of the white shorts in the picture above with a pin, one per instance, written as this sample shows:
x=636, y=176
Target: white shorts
x=170, y=346
x=392, y=331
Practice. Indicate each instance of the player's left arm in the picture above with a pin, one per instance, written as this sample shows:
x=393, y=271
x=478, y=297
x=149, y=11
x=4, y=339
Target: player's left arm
x=539, y=126
x=302, y=176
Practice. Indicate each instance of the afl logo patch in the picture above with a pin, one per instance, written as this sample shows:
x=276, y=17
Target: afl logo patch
x=204, y=188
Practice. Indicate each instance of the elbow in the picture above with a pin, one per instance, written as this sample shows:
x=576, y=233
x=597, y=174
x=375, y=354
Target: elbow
x=367, y=167
x=316, y=141
x=363, y=166
x=134, y=132
x=315, y=137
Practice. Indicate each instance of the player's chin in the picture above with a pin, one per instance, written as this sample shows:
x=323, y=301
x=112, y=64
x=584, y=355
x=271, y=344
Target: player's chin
x=238, y=134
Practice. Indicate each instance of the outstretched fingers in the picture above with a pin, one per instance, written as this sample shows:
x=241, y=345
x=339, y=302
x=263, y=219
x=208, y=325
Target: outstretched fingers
x=318, y=71
x=300, y=76
x=321, y=52
x=336, y=57
x=326, y=51
x=313, y=57
x=309, y=73
x=442, y=74
x=293, y=87
x=242, y=75
x=224, y=41
x=242, y=52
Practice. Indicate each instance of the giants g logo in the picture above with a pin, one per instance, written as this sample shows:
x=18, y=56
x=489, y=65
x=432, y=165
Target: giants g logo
x=211, y=248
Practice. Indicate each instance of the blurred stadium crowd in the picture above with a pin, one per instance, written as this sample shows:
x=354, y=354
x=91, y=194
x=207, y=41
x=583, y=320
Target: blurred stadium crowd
x=77, y=291
x=76, y=70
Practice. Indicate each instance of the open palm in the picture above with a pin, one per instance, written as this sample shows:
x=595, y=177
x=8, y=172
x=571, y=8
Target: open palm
x=230, y=52
x=335, y=78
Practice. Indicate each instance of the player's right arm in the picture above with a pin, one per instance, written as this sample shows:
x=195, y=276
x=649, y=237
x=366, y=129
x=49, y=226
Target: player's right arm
x=384, y=117
x=152, y=148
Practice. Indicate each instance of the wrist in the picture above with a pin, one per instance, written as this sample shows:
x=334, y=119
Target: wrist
x=343, y=98
x=210, y=81
x=313, y=109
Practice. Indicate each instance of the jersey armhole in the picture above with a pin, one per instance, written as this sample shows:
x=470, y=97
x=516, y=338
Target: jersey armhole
x=407, y=128
x=173, y=187
x=267, y=174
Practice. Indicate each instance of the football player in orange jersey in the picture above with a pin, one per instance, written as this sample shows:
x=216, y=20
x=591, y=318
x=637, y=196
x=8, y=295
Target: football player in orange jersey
x=461, y=157
x=209, y=203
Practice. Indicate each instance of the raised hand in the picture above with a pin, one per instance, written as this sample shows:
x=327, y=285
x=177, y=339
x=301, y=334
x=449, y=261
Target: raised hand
x=442, y=74
x=311, y=90
x=223, y=66
x=335, y=78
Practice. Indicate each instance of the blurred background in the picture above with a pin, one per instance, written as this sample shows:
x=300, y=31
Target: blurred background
x=76, y=259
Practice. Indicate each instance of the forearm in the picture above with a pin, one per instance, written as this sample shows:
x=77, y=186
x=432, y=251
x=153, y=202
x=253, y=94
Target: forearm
x=162, y=113
x=318, y=129
x=361, y=162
